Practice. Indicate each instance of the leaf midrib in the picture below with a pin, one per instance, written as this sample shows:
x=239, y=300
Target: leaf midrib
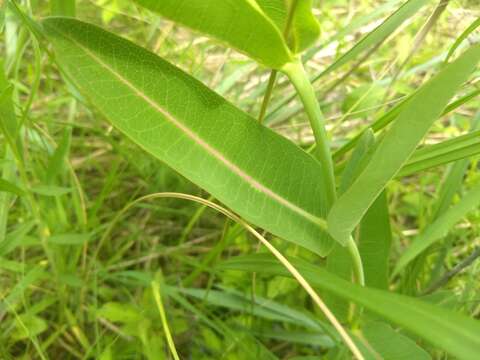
x=200, y=141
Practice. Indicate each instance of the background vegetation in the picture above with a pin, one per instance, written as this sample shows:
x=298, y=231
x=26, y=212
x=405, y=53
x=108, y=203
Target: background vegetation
x=92, y=290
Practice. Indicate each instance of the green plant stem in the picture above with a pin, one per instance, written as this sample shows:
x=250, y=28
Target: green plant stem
x=268, y=95
x=297, y=75
x=357, y=261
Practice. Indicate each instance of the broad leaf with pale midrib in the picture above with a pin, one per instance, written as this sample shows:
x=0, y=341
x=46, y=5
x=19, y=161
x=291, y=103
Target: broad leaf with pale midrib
x=257, y=173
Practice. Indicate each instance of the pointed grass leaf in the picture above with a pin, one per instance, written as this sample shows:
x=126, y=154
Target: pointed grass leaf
x=444, y=329
x=305, y=28
x=473, y=26
x=385, y=29
x=440, y=227
x=447, y=151
x=239, y=23
x=398, y=143
x=260, y=175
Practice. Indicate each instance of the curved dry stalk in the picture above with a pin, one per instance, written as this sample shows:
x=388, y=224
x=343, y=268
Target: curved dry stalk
x=283, y=260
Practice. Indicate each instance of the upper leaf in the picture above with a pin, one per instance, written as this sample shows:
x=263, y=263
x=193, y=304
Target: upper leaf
x=399, y=142
x=261, y=175
x=239, y=23
x=305, y=28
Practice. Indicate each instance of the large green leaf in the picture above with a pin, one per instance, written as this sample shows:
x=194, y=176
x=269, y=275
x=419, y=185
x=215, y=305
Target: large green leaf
x=257, y=173
x=399, y=142
x=304, y=27
x=386, y=343
x=447, y=330
x=240, y=23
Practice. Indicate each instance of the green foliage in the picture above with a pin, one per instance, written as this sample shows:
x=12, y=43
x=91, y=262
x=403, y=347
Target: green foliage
x=414, y=315
x=305, y=28
x=240, y=24
x=150, y=114
x=399, y=142
x=104, y=250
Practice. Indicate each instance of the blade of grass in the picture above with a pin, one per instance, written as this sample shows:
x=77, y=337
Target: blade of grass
x=281, y=258
x=455, y=333
x=399, y=143
x=166, y=329
x=440, y=227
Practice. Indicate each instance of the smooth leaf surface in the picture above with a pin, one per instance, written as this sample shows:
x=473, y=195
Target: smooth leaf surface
x=447, y=330
x=63, y=7
x=375, y=239
x=305, y=28
x=387, y=343
x=440, y=227
x=257, y=173
x=239, y=23
x=399, y=142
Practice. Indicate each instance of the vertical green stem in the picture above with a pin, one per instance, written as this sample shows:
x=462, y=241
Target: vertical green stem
x=268, y=95
x=357, y=261
x=299, y=78
x=297, y=75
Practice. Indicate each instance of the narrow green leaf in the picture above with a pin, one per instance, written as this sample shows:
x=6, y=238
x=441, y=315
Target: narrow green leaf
x=261, y=307
x=63, y=7
x=375, y=238
x=399, y=142
x=385, y=29
x=259, y=174
x=339, y=261
x=475, y=24
x=239, y=23
x=305, y=28
x=391, y=115
x=461, y=147
x=453, y=332
x=9, y=187
x=440, y=227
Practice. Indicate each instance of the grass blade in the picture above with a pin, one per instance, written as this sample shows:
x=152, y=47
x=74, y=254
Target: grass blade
x=461, y=38
x=461, y=147
x=392, y=23
x=454, y=333
x=172, y=116
x=440, y=227
x=399, y=142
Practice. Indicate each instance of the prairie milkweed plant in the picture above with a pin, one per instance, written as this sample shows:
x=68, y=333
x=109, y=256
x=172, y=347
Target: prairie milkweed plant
x=239, y=179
